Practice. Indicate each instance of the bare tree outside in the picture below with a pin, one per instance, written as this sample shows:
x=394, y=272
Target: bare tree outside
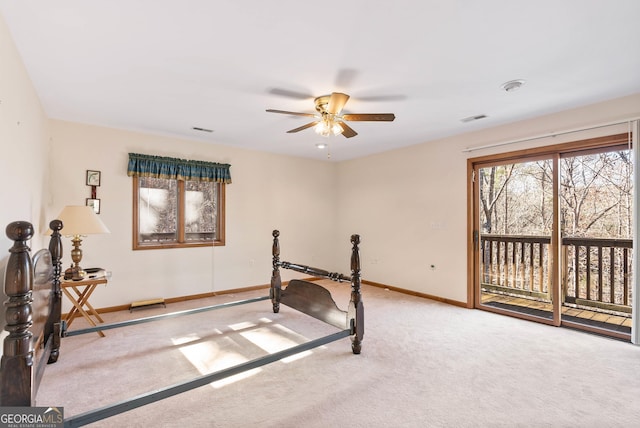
x=517, y=199
x=200, y=209
x=158, y=208
x=596, y=192
x=516, y=220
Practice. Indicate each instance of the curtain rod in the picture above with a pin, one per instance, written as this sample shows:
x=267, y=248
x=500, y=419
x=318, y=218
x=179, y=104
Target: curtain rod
x=551, y=134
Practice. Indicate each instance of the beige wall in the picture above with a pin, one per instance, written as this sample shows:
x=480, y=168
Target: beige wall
x=24, y=159
x=268, y=191
x=410, y=205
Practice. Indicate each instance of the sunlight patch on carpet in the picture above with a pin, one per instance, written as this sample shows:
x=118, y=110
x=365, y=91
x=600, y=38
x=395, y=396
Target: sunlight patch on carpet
x=244, y=325
x=276, y=338
x=209, y=357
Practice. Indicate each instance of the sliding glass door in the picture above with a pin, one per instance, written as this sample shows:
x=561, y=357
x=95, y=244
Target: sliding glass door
x=552, y=234
x=516, y=213
x=596, y=200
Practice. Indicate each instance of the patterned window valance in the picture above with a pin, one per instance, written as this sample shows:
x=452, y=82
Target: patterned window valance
x=178, y=169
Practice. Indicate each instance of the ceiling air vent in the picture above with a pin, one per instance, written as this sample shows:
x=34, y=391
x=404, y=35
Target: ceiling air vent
x=472, y=118
x=196, y=128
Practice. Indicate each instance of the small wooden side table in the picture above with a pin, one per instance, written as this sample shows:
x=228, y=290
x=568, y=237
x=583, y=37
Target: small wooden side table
x=79, y=293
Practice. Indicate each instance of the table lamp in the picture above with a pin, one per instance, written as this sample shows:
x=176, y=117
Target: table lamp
x=79, y=221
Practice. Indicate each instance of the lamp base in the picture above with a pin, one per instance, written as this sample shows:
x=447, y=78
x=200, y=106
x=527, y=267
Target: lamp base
x=74, y=273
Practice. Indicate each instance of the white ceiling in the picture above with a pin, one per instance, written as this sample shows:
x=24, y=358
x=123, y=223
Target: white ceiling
x=166, y=66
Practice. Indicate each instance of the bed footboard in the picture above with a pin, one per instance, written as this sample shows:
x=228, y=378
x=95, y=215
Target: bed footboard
x=315, y=300
x=356, y=306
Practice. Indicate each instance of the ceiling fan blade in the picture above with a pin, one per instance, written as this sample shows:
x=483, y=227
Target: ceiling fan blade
x=347, y=131
x=303, y=127
x=337, y=102
x=392, y=97
x=290, y=112
x=378, y=117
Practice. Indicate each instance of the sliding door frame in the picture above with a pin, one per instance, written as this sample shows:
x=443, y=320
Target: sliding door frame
x=634, y=130
x=554, y=153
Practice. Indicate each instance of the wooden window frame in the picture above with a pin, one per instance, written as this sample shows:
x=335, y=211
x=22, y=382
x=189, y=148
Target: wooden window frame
x=219, y=239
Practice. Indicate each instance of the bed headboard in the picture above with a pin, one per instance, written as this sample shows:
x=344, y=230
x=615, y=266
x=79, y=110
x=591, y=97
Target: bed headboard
x=32, y=314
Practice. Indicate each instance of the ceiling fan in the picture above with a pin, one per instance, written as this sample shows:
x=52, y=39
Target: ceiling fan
x=329, y=120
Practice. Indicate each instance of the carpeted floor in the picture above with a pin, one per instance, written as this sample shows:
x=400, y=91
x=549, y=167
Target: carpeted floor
x=423, y=364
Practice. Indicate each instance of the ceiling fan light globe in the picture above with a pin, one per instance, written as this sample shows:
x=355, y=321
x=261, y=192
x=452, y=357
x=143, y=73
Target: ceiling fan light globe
x=336, y=129
x=328, y=128
x=322, y=129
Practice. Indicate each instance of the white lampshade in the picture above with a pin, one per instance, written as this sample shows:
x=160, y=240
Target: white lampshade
x=81, y=220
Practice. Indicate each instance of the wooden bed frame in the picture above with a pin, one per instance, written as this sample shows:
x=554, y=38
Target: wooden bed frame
x=315, y=300
x=34, y=341
x=32, y=314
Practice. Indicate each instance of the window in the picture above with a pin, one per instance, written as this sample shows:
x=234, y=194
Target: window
x=177, y=203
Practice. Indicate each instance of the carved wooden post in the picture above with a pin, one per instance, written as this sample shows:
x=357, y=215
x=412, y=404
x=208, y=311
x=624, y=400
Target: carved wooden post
x=356, y=296
x=276, y=283
x=54, y=322
x=17, y=360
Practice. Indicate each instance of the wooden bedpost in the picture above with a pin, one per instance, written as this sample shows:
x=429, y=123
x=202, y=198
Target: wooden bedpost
x=356, y=296
x=17, y=359
x=54, y=323
x=276, y=283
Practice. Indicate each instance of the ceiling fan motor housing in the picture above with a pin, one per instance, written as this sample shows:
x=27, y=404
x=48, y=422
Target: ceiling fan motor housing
x=322, y=103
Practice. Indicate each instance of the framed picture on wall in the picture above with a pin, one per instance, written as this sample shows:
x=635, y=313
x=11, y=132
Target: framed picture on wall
x=95, y=204
x=93, y=178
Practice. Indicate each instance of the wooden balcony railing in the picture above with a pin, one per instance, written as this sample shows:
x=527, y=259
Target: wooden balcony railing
x=595, y=271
